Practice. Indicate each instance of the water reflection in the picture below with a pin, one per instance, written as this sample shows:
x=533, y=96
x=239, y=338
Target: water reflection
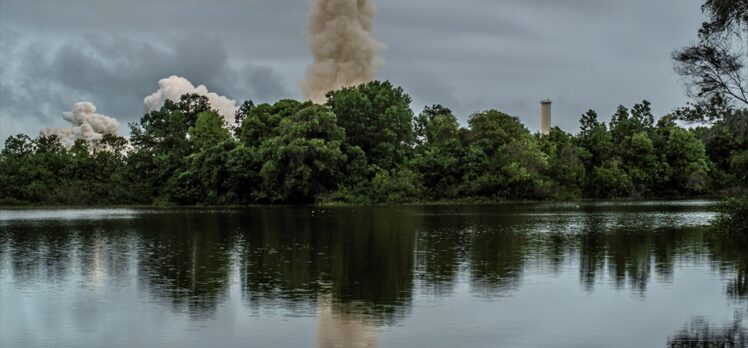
x=359, y=269
x=363, y=260
x=343, y=329
x=367, y=255
x=701, y=333
x=186, y=258
x=731, y=258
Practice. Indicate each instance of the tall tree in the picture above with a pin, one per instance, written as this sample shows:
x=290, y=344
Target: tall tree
x=424, y=121
x=208, y=130
x=594, y=139
x=565, y=165
x=377, y=118
x=305, y=159
x=714, y=68
x=162, y=145
x=261, y=122
x=240, y=115
x=503, y=159
x=440, y=153
x=716, y=77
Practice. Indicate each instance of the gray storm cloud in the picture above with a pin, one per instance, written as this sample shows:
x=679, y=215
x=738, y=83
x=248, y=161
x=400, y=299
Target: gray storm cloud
x=87, y=125
x=339, y=33
x=173, y=87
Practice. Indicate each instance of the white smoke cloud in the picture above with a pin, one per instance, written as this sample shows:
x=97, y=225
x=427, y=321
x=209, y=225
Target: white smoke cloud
x=344, y=50
x=173, y=87
x=87, y=125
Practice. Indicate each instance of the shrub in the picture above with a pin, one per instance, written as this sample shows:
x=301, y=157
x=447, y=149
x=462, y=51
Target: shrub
x=732, y=218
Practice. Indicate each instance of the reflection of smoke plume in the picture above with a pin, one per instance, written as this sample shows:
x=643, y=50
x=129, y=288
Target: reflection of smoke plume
x=172, y=88
x=343, y=329
x=88, y=125
x=345, y=53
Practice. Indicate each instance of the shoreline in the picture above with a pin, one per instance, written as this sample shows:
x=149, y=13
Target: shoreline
x=467, y=202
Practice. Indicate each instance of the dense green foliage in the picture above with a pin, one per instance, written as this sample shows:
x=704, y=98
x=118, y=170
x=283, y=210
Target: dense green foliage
x=365, y=145
x=732, y=219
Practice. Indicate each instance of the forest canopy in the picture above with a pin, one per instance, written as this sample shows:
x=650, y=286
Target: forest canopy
x=366, y=145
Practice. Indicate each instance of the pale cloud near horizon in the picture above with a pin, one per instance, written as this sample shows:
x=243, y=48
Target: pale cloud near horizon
x=469, y=55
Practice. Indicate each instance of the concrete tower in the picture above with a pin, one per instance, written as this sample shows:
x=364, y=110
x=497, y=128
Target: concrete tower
x=545, y=117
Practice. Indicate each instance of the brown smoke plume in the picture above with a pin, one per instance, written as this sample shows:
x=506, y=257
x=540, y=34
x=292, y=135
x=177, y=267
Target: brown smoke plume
x=345, y=52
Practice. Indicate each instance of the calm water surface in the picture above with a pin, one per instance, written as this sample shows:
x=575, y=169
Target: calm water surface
x=522, y=275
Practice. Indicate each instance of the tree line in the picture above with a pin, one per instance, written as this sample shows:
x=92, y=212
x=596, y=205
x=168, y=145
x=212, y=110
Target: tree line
x=365, y=145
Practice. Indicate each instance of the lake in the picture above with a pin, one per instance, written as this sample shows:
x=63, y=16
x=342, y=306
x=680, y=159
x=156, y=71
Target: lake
x=603, y=274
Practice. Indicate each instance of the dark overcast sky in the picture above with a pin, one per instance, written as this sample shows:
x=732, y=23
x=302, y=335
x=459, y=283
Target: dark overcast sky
x=468, y=55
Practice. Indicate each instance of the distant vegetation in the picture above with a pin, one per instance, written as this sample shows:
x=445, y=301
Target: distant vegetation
x=365, y=145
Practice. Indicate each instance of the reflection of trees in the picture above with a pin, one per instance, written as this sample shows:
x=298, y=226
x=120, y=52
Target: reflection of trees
x=738, y=286
x=372, y=258
x=497, y=246
x=557, y=245
x=282, y=257
x=667, y=245
x=181, y=257
x=186, y=258
x=629, y=257
x=362, y=256
x=363, y=259
x=51, y=251
x=440, y=250
x=635, y=246
x=492, y=242
x=591, y=250
x=496, y=260
x=39, y=251
x=732, y=259
x=701, y=333
x=105, y=252
x=633, y=254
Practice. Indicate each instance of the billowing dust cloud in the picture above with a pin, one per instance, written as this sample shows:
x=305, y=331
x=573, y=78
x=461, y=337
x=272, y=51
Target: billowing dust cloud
x=344, y=50
x=173, y=87
x=87, y=125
